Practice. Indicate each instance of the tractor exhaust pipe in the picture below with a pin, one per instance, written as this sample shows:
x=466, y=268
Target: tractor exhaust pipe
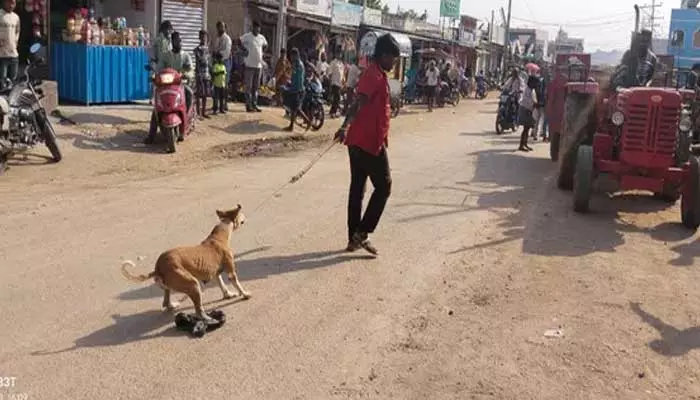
x=636, y=18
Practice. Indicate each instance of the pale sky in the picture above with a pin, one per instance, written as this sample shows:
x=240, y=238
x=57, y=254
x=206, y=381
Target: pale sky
x=604, y=24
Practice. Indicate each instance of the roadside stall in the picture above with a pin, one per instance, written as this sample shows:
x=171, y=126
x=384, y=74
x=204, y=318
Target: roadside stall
x=100, y=59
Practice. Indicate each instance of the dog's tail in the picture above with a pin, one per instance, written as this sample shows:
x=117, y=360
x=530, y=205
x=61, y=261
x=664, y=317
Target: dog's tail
x=135, y=278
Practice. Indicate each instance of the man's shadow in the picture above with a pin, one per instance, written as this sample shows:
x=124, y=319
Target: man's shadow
x=674, y=342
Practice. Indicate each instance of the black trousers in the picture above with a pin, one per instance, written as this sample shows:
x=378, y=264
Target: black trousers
x=335, y=99
x=219, y=99
x=364, y=165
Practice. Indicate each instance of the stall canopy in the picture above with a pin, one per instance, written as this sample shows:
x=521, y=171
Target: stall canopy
x=370, y=38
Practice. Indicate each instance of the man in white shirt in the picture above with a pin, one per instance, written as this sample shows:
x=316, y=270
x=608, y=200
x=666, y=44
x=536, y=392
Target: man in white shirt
x=254, y=43
x=432, y=75
x=336, y=74
x=222, y=45
x=9, y=37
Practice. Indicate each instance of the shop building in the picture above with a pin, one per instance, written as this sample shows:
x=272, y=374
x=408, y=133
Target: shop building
x=684, y=35
x=99, y=49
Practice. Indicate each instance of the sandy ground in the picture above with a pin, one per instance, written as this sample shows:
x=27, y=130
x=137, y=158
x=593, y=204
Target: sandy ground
x=488, y=286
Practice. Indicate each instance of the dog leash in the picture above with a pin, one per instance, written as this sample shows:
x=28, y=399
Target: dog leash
x=298, y=176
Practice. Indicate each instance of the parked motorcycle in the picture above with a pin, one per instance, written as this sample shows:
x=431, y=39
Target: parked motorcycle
x=24, y=119
x=174, y=117
x=507, y=117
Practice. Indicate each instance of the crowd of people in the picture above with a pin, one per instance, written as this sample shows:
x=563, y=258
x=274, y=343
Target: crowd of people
x=218, y=64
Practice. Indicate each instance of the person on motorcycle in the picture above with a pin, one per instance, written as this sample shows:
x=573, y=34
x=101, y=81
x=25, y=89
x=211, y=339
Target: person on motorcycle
x=638, y=64
x=514, y=86
x=180, y=61
x=480, y=83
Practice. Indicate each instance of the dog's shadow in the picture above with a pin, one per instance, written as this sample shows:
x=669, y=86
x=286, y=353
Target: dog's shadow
x=123, y=330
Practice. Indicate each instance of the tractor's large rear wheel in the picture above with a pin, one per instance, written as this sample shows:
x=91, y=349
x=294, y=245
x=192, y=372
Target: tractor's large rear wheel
x=579, y=127
x=690, y=202
x=583, y=179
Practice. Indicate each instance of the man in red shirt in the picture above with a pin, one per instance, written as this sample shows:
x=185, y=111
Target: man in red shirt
x=367, y=141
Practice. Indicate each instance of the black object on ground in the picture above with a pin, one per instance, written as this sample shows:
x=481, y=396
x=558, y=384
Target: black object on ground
x=197, y=326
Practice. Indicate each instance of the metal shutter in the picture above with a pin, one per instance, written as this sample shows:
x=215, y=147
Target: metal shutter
x=187, y=17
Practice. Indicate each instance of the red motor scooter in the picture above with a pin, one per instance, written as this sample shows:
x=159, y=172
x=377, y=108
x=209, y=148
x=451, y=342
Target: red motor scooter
x=174, y=119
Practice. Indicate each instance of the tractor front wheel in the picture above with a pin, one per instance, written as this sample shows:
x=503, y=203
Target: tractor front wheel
x=583, y=179
x=690, y=201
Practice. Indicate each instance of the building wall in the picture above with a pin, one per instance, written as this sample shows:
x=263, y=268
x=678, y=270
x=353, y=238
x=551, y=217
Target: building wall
x=684, y=37
x=232, y=12
x=122, y=8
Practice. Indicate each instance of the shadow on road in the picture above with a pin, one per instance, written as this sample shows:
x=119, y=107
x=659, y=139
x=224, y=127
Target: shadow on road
x=252, y=127
x=123, y=330
x=522, y=191
x=130, y=140
x=674, y=342
x=265, y=266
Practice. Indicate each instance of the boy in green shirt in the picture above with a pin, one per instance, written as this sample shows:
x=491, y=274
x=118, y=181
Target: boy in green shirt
x=219, y=74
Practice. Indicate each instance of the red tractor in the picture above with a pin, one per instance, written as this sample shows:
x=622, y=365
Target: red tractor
x=640, y=136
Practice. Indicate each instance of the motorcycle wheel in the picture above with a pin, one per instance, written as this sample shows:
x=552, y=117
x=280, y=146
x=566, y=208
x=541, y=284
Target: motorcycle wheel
x=317, y=117
x=171, y=138
x=302, y=122
x=499, y=127
x=49, y=136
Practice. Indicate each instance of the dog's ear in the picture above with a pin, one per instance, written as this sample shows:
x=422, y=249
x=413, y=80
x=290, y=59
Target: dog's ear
x=220, y=214
x=239, y=207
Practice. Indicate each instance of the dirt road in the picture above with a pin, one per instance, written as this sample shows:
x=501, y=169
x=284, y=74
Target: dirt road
x=488, y=286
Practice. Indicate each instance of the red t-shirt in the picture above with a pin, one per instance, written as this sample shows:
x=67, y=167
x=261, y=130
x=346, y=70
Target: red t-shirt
x=370, y=128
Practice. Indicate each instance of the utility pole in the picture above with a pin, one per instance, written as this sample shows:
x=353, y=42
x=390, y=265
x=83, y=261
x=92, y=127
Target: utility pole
x=506, y=41
x=280, y=30
x=650, y=10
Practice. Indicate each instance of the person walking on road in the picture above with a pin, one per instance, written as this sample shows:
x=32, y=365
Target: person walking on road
x=432, y=76
x=223, y=45
x=336, y=74
x=528, y=104
x=367, y=139
x=9, y=38
x=254, y=44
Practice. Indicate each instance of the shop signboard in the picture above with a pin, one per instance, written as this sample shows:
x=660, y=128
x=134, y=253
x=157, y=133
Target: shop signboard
x=346, y=14
x=449, y=8
x=321, y=8
x=373, y=17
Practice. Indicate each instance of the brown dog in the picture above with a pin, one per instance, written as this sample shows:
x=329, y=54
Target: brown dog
x=181, y=269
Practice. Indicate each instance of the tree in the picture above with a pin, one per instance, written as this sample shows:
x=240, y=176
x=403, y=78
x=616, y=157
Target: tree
x=375, y=4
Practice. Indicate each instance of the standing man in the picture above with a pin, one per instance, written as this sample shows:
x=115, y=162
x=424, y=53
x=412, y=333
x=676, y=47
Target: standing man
x=161, y=46
x=223, y=45
x=336, y=74
x=9, y=37
x=367, y=141
x=254, y=44
x=432, y=76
